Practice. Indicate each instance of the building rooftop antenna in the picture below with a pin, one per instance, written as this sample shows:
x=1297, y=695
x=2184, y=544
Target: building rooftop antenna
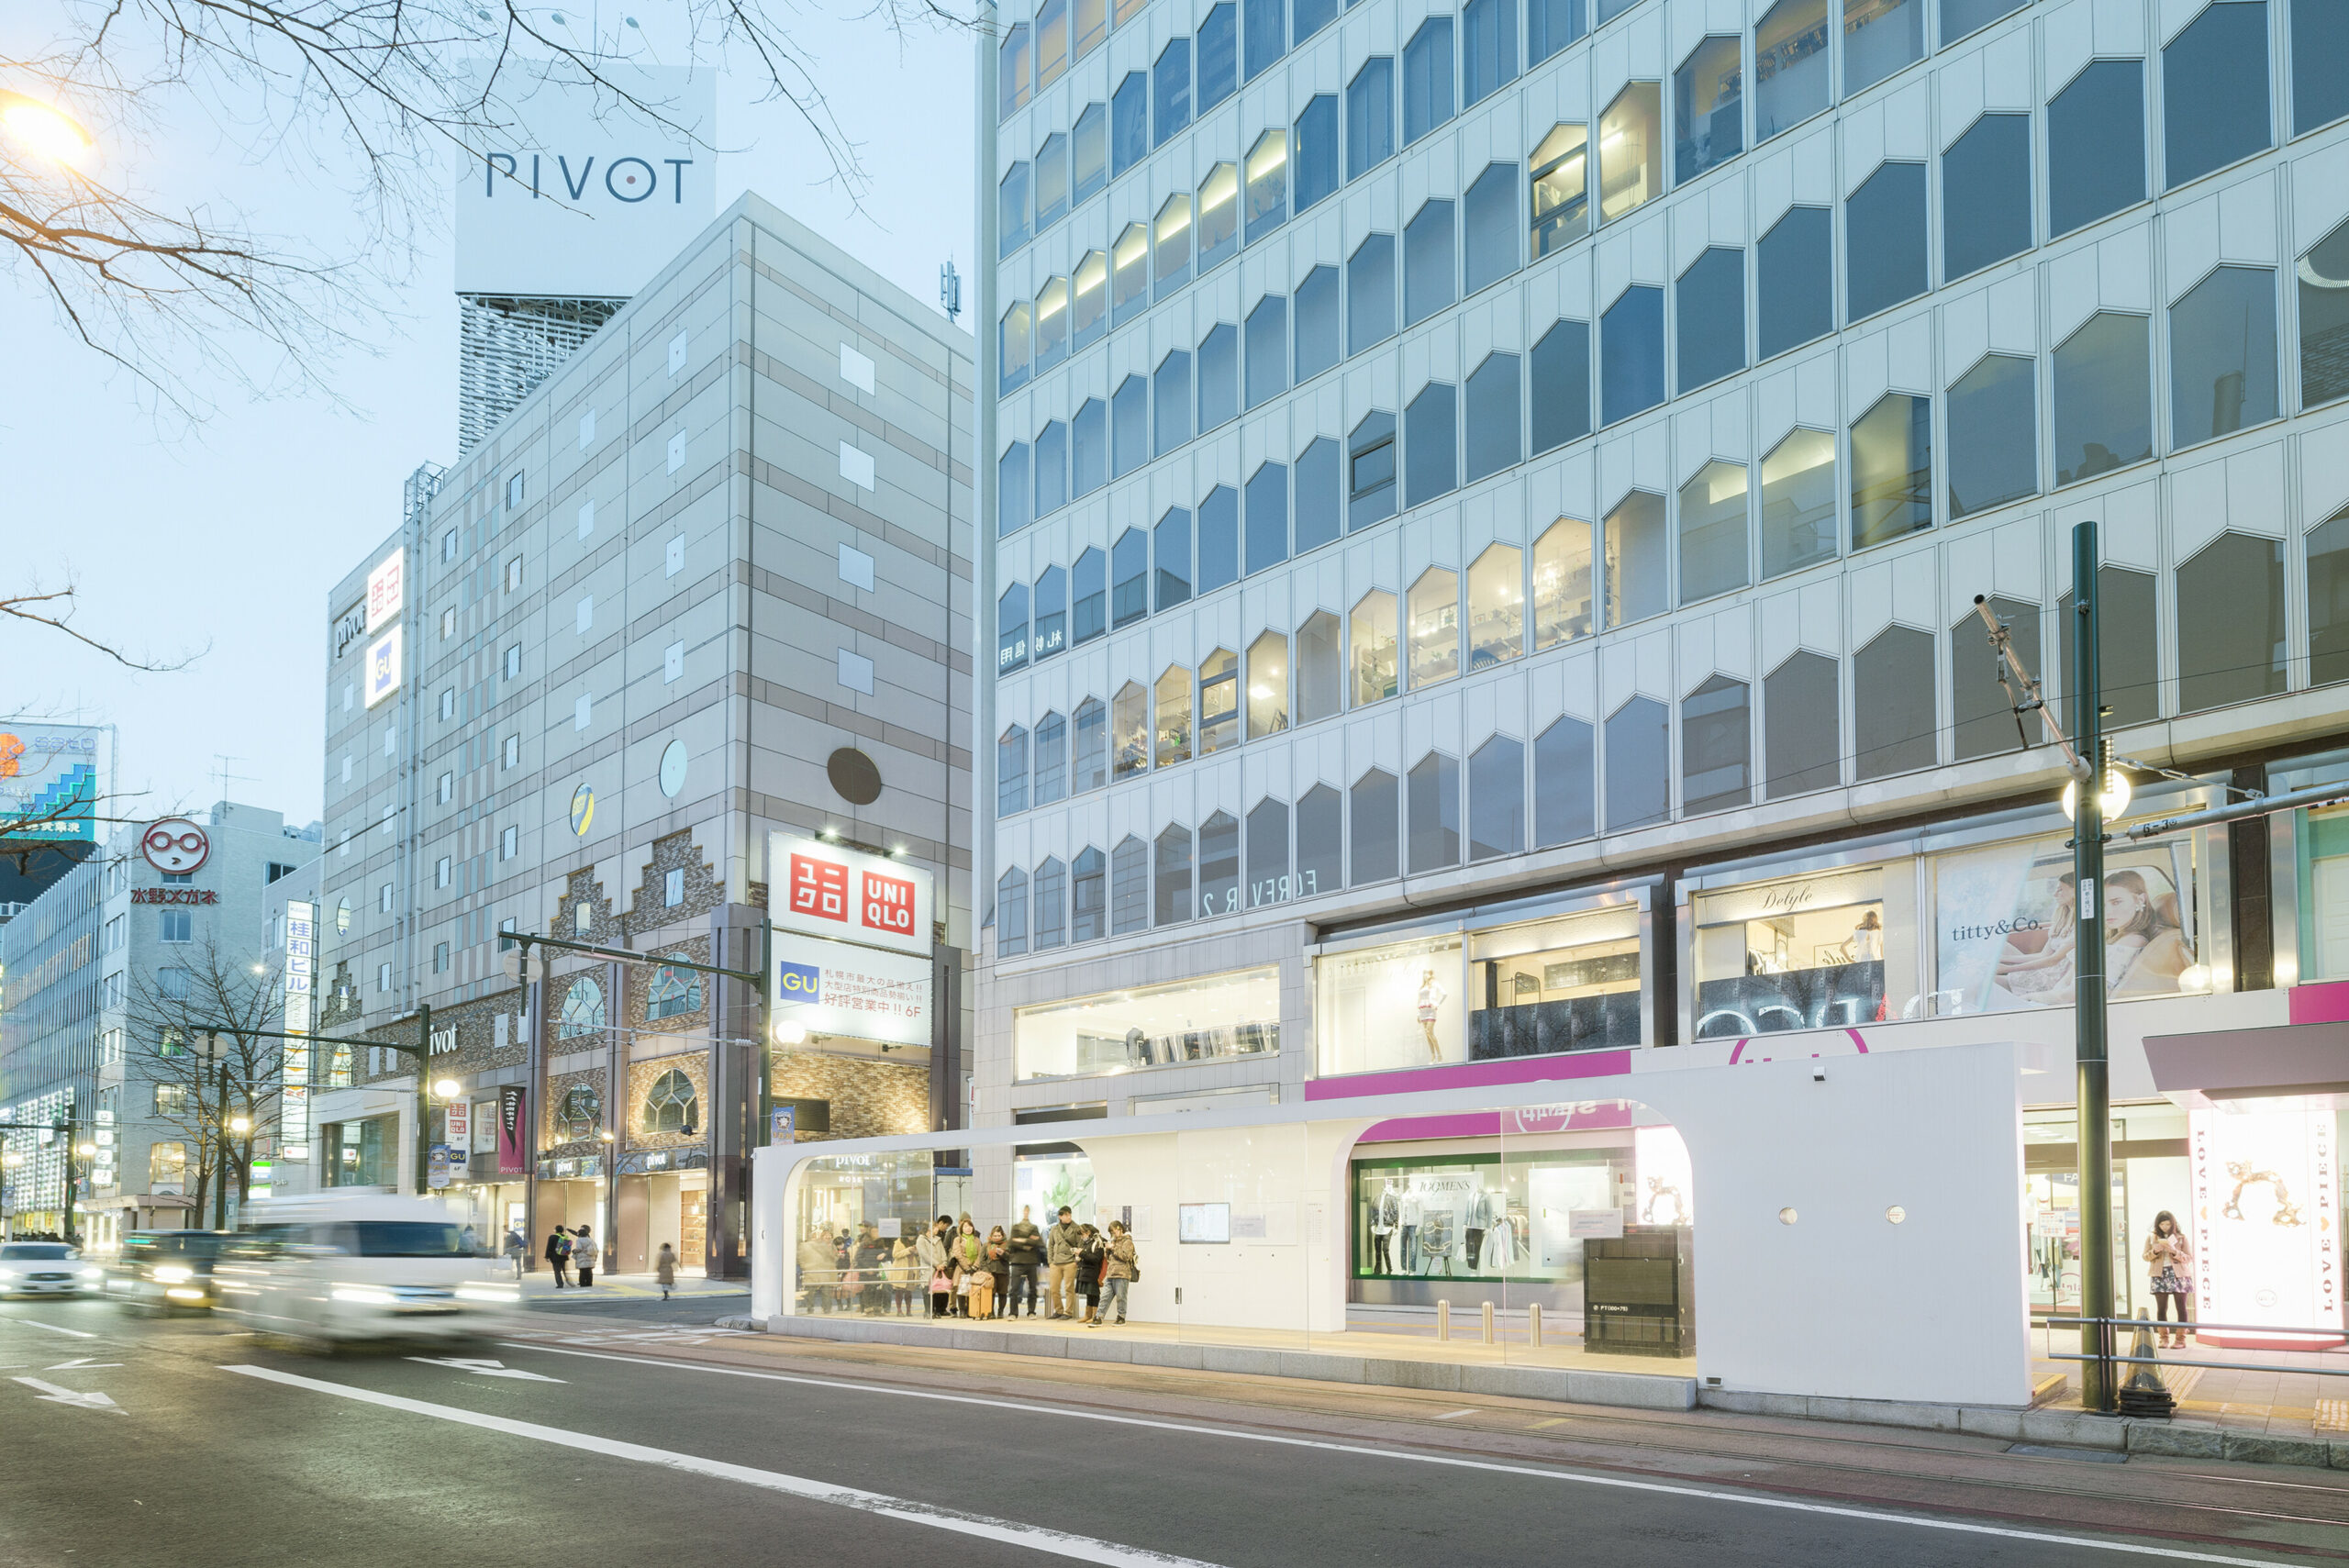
x=950, y=290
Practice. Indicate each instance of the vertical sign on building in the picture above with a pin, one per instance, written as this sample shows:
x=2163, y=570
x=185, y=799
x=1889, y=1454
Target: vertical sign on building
x=510, y=1108
x=294, y=1087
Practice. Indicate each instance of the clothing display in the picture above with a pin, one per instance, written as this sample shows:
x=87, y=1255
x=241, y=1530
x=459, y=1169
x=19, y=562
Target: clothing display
x=1436, y=1239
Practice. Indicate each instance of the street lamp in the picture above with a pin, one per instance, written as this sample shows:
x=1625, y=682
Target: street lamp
x=43, y=129
x=448, y=1088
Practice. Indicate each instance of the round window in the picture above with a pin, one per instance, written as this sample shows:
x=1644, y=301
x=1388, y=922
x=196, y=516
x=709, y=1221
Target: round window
x=673, y=758
x=854, y=777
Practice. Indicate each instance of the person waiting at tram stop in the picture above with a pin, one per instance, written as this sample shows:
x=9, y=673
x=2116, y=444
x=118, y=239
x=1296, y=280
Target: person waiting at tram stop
x=2169, y=1269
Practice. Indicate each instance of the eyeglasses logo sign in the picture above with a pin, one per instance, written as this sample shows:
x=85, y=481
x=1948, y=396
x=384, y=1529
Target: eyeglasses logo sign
x=175, y=845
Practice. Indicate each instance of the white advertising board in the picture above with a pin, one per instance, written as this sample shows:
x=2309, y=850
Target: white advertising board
x=384, y=666
x=582, y=196
x=833, y=989
x=385, y=589
x=826, y=890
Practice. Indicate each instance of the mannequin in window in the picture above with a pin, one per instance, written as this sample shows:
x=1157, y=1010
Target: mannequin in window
x=1385, y=1214
x=1867, y=945
x=1431, y=997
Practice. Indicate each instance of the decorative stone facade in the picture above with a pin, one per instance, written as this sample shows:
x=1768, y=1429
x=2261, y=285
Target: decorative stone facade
x=580, y=889
x=642, y=976
x=554, y=1144
x=870, y=1098
x=642, y=1077
x=649, y=910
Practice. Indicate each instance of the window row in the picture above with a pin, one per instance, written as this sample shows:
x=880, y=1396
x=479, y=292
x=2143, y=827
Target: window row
x=2229, y=626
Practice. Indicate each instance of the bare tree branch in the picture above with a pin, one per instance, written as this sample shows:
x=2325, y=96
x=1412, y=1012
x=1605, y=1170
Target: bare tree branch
x=169, y=1011
x=381, y=95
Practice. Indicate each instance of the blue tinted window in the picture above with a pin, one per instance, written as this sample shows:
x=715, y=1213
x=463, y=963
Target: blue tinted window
x=1315, y=150
x=1427, y=79
x=2096, y=145
x=1551, y=25
x=1129, y=577
x=1993, y=435
x=1559, y=369
x=1267, y=349
x=2320, y=43
x=1487, y=47
x=1631, y=354
x=1490, y=243
x=1370, y=471
x=1219, y=57
x=1427, y=262
x=1790, y=81
x=1052, y=612
x=1011, y=644
x=1051, y=468
x=1319, y=502
x=1431, y=443
x=1960, y=18
x=1493, y=416
x=1795, y=280
x=1370, y=293
x=2214, y=91
x=1370, y=117
x=1172, y=401
x=1312, y=16
x=1709, y=108
x=1712, y=317
x=1318, y=344
x=1012, y=217
x=1051, y=181
x=1170, y=548
x=1089, y=153
x=1011, y=488
x=1130, y=122
x=1884, y=239
x=1090, y=615
x=1986, y=195
x=1172, y=80
x=1267, y=517
x=1219, y=538
x=1219, y=376
x=1267, y=34
x=1130, y=424
x=1090, y=448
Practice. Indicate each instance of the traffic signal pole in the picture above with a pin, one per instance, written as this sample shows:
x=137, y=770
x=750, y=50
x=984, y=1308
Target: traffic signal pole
x=2093, y=1088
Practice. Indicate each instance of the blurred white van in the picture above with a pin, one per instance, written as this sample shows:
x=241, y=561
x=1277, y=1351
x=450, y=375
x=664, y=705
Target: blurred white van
x=334, y=1267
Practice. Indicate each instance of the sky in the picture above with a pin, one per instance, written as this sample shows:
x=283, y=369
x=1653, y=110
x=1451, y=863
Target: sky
x=218, y=544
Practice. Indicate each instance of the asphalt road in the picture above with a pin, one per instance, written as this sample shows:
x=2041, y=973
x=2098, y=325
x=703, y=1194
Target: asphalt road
x=639, y=1437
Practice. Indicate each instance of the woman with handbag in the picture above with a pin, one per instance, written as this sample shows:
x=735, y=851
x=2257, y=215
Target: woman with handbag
x=1119, y=1271
x=968, y=1252
x=931, y=1261
x=903, y=1261
x=1091, y=1254
x=997, y=1271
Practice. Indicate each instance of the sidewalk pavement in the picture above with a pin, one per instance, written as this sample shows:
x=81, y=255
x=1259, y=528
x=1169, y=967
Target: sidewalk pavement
x=539, y=1283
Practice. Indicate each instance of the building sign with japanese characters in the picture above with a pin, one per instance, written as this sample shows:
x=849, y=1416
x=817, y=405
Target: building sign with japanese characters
x=828, y=891
x=833, y=988
x=294, y=1090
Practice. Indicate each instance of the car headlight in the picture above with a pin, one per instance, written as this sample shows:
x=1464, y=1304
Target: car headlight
x=7, y=1274
x=172, y=1274
x=93, y=1273
x=364, y=1298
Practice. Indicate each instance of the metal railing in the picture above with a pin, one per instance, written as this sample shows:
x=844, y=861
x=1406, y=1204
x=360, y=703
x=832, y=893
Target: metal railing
x=2099, y=1337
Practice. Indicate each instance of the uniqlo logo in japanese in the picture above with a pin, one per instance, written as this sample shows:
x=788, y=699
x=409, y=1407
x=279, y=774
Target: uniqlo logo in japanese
x=889, y=904
x=819, y=888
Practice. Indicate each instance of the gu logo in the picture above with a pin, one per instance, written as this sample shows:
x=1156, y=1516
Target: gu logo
x=799, y=981
x=888, y=904
x=819, y=888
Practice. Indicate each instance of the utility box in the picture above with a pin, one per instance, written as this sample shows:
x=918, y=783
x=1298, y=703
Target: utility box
x=1637, y=1292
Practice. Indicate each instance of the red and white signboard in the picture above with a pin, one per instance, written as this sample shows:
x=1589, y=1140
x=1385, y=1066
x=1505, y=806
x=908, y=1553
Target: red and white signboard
x=175, y=846
x=387, y=590
x=461, y=1128
x=825, y=889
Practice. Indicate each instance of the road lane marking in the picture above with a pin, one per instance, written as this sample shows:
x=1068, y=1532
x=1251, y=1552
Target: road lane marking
x=1057, y=1543
x=1455, y=1461
x=50, y=1394
x=77, y=1333
x=1454, y=1415
x=485, y=1367
x=84, y=1364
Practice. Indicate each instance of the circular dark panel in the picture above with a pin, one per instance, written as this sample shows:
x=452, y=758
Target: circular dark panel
x=853, y=775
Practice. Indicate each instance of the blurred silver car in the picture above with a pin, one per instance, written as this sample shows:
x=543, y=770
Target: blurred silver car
x=45, y=1268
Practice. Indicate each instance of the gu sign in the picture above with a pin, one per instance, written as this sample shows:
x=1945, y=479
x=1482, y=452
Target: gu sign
x=824, y=890
x=583, y=198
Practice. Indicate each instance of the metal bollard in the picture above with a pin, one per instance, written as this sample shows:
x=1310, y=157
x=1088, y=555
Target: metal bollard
x=1488, y=1322
x=1443, y=1320
x=1533, y=1324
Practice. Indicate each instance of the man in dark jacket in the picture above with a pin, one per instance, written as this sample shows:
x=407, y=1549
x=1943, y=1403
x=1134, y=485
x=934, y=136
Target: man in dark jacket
x=1026, y=1252
x=871, y=1271
x=559, y=1255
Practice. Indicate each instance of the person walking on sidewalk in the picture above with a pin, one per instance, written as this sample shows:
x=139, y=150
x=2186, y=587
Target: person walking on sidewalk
x=559, y=1254
x=1090, y=1255
x=933, y=1264
x=585, y=1256
x=516, y=1249
x=1059, y=1250
x=1025, y=1249
x=664, y=1269
x=1119, y=1271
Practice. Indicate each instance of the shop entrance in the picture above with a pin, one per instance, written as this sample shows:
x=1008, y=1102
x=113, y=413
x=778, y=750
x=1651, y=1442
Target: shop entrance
x=663, y=1205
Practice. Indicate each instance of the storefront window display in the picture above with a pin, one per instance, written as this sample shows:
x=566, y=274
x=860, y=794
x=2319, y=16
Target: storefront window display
x=1799, y=954
x=2149, y=1175
x=1497, y=1216
x=1041, y=1185
x=2323, y=852
x=1222, y=1017
x=1556, y=985
x=1391, y=1007
x=2006, y=918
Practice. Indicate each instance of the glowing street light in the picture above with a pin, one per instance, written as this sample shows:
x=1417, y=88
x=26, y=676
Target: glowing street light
x=43, y=129
x=448, y=1088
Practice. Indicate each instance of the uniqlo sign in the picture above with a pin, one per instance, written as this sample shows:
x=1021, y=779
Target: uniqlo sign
x=847, y=896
